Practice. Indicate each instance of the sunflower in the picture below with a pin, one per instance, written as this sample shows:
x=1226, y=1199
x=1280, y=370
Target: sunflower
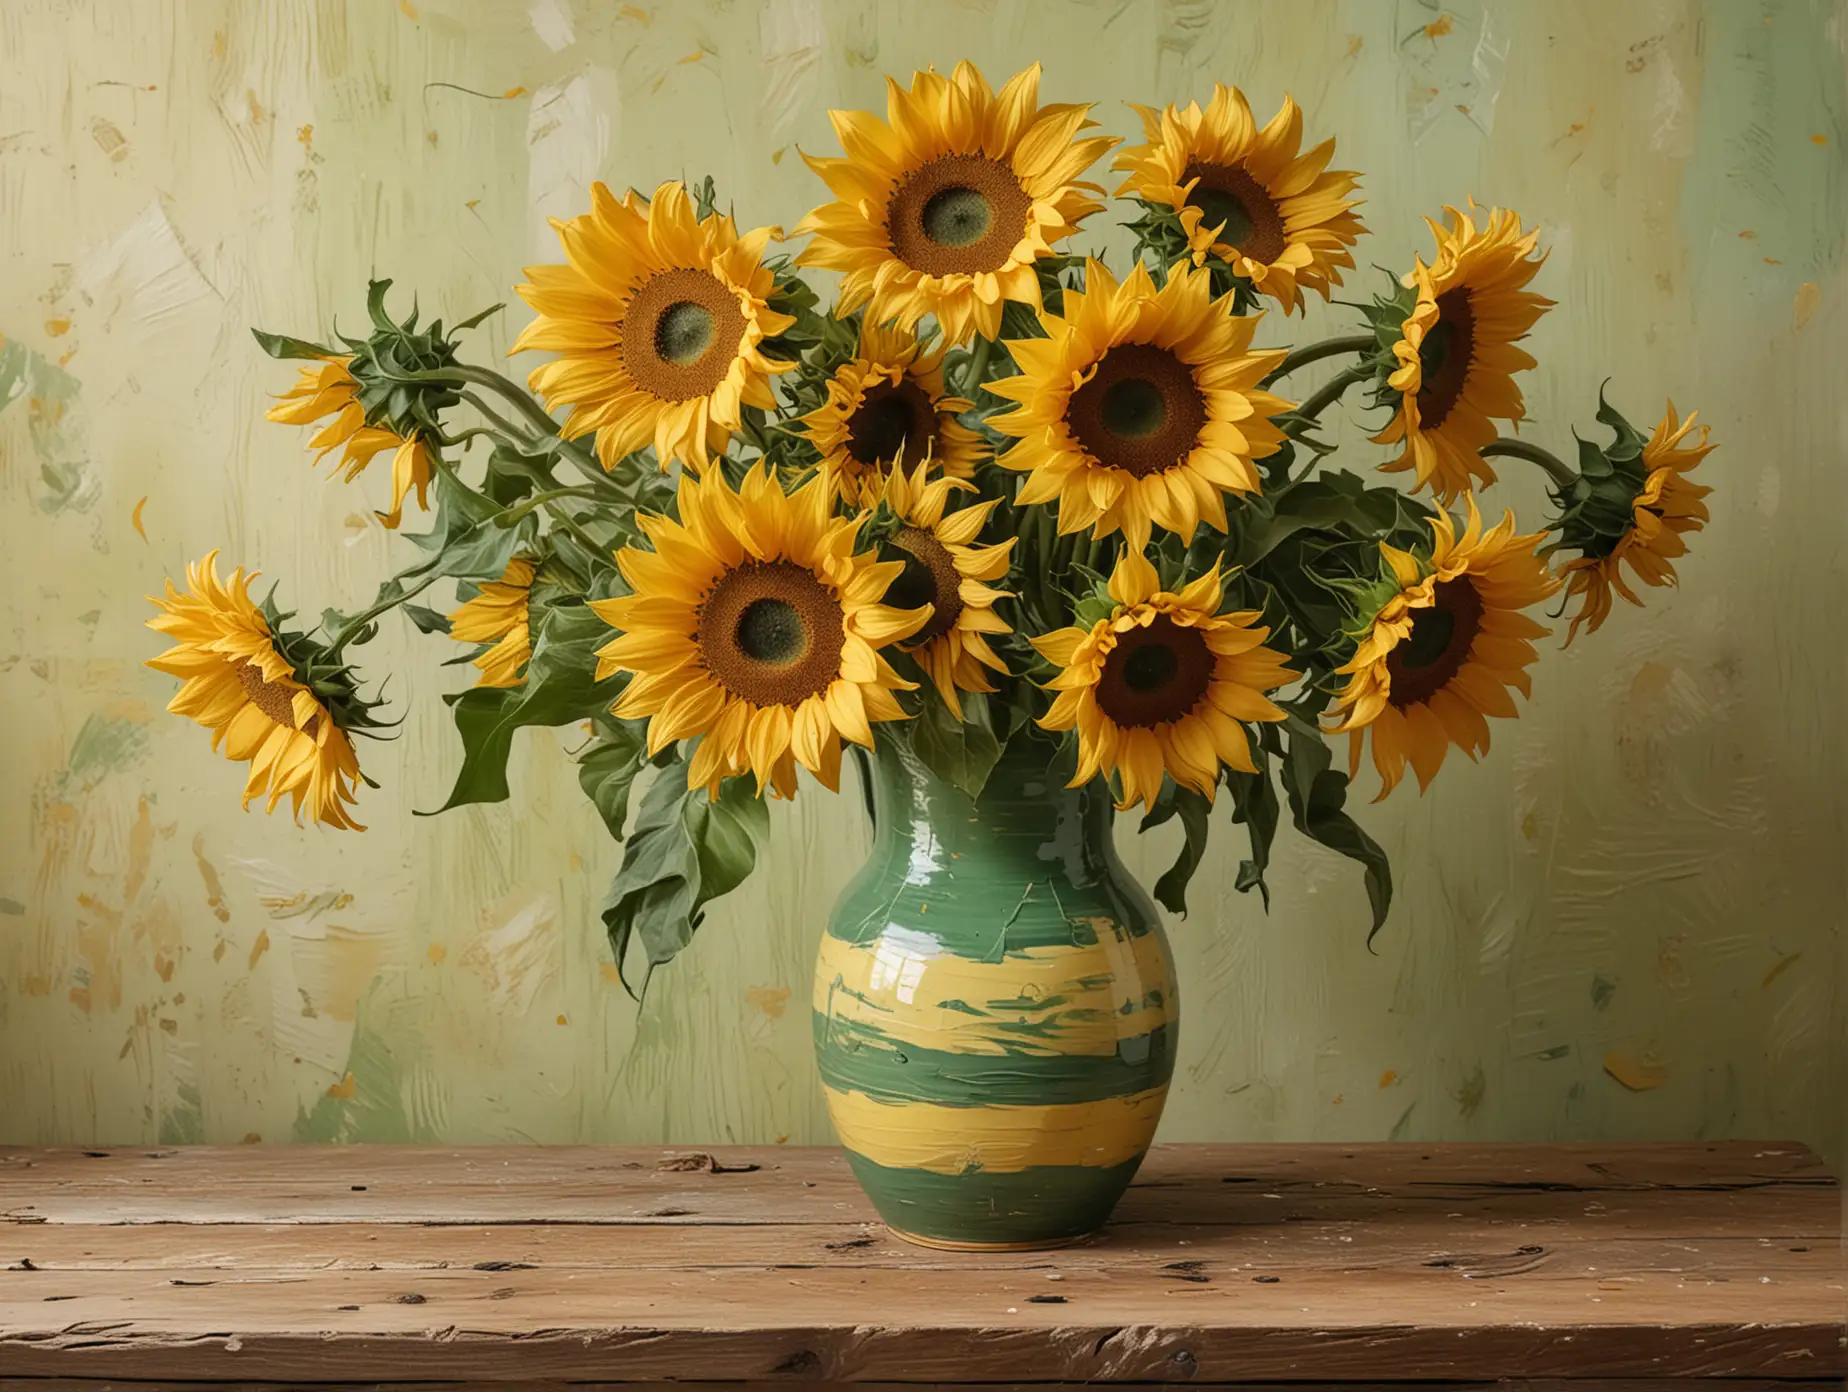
x=658, y=318
x=1662, y=507
x=332, y=390
x=1141, y=408
x=241, y=687
x=1444, y=648
x=1456, y=350
x=498, y=615
x=886, y=404
x=944, y=571
x=945, y=206
x=755, y=624
x=1161, y=685
x=1282, y=220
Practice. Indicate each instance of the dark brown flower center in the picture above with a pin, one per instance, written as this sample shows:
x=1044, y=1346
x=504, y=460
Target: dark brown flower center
x=681, y=334
x=1140, y=412
x=893, y=419
x=771, y=633
x=275, y=699
x=929, y=578
x=1438, y=646
x=1227, y=194
x=1155, y=674
x=1443, y=357
x=959, y=213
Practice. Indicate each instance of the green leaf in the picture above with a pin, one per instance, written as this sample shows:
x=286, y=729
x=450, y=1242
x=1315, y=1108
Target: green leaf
x=960, y=752
x=1317, y=794
x=1254, y=803
x=468, y=541
x=560, y=688
x=1191, y=808
x=685, y=851
x=608, y=768
x=480, y=318
x=427, y=620
x=282, y=346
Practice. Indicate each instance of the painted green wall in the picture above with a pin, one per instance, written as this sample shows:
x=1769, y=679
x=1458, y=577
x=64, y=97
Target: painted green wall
x=1644, y=881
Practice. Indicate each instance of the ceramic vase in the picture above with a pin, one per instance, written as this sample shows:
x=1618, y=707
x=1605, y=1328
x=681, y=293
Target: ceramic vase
x=994, y=1008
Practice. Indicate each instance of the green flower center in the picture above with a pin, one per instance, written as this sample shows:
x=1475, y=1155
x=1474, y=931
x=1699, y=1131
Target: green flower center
x=957, y=217
x=771, y=631
x=1133, y=408
x=684, y=332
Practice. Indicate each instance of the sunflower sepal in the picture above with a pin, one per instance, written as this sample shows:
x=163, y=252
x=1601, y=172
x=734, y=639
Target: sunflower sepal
x=1598, y=512
x=314, y=663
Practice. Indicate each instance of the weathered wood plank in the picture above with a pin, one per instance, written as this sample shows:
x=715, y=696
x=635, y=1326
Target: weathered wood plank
x=587, y=1184
x=1231, y=1264
x=1463, y=1248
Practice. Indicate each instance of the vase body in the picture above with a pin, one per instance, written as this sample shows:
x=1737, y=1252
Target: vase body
x=994, y=1008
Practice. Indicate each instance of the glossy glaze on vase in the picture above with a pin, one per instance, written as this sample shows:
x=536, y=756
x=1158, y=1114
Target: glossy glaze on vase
x=995, y=1011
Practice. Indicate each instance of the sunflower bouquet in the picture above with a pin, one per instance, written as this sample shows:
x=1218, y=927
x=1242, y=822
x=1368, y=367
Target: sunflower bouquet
x=997, y=494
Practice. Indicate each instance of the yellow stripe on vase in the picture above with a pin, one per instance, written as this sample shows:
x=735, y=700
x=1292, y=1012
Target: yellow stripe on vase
x=995, y=1139
x=1040, y=1000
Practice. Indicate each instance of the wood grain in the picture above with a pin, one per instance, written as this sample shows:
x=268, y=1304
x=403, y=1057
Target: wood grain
x=1229, y=1264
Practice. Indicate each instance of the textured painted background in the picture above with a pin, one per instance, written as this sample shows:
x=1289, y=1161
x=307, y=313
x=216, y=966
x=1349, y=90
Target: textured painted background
x=1627, y=922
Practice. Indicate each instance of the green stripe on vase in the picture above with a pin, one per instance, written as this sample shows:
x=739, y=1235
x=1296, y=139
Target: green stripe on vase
x=1046, y=1205
x=866, y=1059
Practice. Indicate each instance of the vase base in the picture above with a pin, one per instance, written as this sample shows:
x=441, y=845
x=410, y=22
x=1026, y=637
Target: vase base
x=951, y=1244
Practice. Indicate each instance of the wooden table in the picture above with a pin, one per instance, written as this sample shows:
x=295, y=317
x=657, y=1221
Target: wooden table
x=1608, y=1265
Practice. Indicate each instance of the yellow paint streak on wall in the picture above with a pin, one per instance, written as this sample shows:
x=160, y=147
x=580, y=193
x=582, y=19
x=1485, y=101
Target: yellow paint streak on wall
x=259, y=947
x=951, y=1140
x=1639, y=1074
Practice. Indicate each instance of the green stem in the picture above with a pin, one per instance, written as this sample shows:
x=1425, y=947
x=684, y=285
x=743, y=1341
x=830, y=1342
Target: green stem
x=464, y=436
x=539, y=500
x=499, y=422
x=1315, y=352
x=1320, y=401
x=977, y=370
x=354, y=625
x=1564, y=476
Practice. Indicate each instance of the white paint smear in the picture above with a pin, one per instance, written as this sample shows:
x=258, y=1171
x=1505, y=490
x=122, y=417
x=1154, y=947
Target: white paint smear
x=143, y=281
x=519, y=957
x=792, y=36
x=551, y=21
x=568, y=133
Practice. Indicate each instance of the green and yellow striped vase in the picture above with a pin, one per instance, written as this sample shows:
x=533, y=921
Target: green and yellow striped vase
x=995, y=1010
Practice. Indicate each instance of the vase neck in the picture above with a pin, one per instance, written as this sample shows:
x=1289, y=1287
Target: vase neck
x=1024, y=810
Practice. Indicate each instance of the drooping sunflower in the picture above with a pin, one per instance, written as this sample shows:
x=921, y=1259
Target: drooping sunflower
x=1141, y=408
x=331, y=390
x=498, y=615
x=1657, y=503
x=756, y=626
x=1281, y=219
x=1456, y=350
x=946, y=204
x=944, y=570
x=1444, y=648
x=238, y=683
x=658, y=318
x=888, y=404
x=1161, y=685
